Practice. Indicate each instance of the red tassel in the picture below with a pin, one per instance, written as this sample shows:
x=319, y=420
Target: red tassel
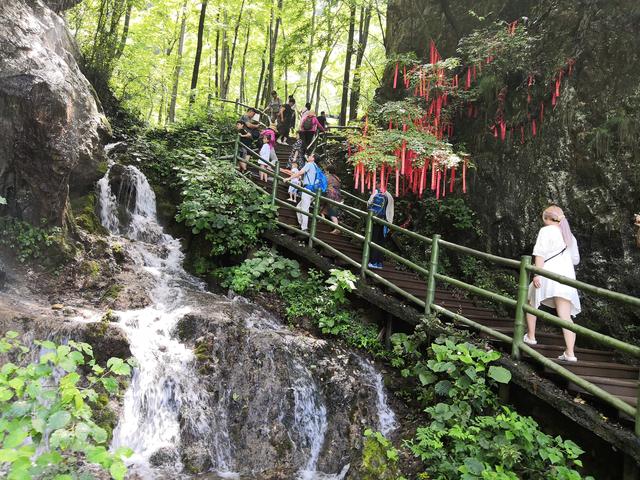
x=375, y=176
x=438, y=185
x=503, y=130
x=533, y=127
x=464, y=176
x=395, y=78
x=433, y=174
x=521, y=134
x=404, y=76
x=453, y=178
x=444, y=183
x=468, y=85
x=473, y=72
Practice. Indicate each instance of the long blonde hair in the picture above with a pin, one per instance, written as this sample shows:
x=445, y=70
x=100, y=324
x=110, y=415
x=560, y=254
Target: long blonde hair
x=555, y=214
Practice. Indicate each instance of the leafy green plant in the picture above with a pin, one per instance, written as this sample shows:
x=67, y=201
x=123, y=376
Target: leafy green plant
x=340, y=283
x=47, y=428
x=311, y=296
x=225, y=208
x=470, y=435
x=30, y=243
x=265, y=270
x=3, y=201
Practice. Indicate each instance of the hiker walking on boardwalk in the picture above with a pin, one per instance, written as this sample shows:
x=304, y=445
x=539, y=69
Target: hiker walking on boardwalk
x=246, y=141
x=556, y=250
x=284, y=122
x=265, y=158
x=308, y=173
x=250, y=124
x=382, y=206
x=274, y=106
x=308, y=128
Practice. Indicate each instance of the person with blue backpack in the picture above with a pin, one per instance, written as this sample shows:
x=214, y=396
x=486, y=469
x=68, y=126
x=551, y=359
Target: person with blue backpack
x=314, y=179
x=381, y=205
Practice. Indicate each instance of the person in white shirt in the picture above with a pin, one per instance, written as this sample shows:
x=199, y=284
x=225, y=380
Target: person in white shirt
x=308, y=172
x=556, y=250
x=265, y=159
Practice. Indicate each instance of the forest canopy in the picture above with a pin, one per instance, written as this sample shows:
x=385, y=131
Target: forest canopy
x=166, y=59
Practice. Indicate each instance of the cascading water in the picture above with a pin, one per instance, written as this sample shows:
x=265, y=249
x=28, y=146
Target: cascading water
x=167, y=409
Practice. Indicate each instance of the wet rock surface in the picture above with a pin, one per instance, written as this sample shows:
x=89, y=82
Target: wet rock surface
x=282, y=396
x=50, y=122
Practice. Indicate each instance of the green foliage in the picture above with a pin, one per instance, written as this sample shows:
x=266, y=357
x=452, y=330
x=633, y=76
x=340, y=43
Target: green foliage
x=379, y=458
x=46, y=410
x=3, y=201
x=469, y=435
x=224, y=207
x=31, y=243
x=265, y=270
x=340, y=283
x=311, y=296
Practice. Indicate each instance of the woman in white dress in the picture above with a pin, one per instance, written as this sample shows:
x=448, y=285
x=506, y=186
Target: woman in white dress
x=556, y=250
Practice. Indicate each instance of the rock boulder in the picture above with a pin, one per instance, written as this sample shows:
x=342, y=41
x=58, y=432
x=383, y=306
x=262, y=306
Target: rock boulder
x=51, y=124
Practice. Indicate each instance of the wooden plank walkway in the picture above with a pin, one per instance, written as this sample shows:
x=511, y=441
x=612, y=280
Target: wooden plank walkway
x=601, y=367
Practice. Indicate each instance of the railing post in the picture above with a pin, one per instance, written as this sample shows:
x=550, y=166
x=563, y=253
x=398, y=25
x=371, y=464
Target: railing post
x=433, y=269
x=366, y=247
x=236, y=149
x=637, y=429
x=314, y=219
x=523, y=292
x=274, y=191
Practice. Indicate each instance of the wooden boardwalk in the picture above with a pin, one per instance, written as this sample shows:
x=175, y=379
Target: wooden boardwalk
x=601, y=367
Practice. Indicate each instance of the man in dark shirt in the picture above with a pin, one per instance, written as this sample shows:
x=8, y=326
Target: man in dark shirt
x=322, y=118
x=252, y=126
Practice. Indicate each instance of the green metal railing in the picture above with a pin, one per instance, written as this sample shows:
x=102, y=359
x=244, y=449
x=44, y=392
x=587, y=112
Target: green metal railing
x=433, y=276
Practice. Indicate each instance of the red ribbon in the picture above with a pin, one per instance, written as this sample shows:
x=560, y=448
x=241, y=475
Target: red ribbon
x=395, y=78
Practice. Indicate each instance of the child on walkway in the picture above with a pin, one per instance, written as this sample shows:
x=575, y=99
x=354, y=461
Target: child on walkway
x=265, y=157
x=293, y=191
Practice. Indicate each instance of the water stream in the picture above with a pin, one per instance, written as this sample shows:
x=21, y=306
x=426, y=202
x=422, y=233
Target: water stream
x=166, y=402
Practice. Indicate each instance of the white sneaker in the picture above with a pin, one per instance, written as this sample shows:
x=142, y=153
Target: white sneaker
x=566, y=358
x=527, y=340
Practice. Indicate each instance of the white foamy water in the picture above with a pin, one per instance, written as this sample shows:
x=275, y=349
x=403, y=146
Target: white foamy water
x=386, y=417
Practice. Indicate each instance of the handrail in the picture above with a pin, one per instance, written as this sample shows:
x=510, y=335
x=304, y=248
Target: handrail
x=520, y=304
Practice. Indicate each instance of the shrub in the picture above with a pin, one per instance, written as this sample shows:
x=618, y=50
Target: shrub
x=46, y=411
x=265, y=270
x=223, y=206
x=470, y=435
x=29, y=242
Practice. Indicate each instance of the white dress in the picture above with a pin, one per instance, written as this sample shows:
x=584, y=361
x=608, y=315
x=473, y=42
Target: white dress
x=548, y=244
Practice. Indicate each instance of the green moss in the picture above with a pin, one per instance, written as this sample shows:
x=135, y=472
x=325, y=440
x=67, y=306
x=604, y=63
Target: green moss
x=84, y=209
x=379, y=459
x=103, y=167
x=112, y=292
x=91, y=268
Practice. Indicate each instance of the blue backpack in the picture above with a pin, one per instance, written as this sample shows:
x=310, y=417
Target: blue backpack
x=320, y=182
x=379, y=204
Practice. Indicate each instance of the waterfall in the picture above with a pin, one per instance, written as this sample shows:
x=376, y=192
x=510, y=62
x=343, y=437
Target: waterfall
x=164, y=396
x=386, y=417
x=167, y=401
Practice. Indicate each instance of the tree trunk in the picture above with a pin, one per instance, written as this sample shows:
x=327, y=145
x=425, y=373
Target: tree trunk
x=233, y=52
x=216, y=76
x=382, y=26
x=223, y=53
x=178, y=69
x=311, y=40
x=196, y=62
x=363, y=37
x=262, y=67
x=125, y=31
x=347, y=67
x=269, y=84
x=243, y=67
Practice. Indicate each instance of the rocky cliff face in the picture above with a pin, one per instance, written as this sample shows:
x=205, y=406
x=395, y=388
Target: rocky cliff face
x=50, y=121
x=585, y=157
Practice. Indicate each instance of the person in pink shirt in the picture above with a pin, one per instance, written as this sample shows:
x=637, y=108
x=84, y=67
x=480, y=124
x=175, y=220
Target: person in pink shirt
x=308, y=128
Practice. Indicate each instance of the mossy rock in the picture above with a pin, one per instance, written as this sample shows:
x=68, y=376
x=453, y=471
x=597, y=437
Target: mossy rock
x=84, y=209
